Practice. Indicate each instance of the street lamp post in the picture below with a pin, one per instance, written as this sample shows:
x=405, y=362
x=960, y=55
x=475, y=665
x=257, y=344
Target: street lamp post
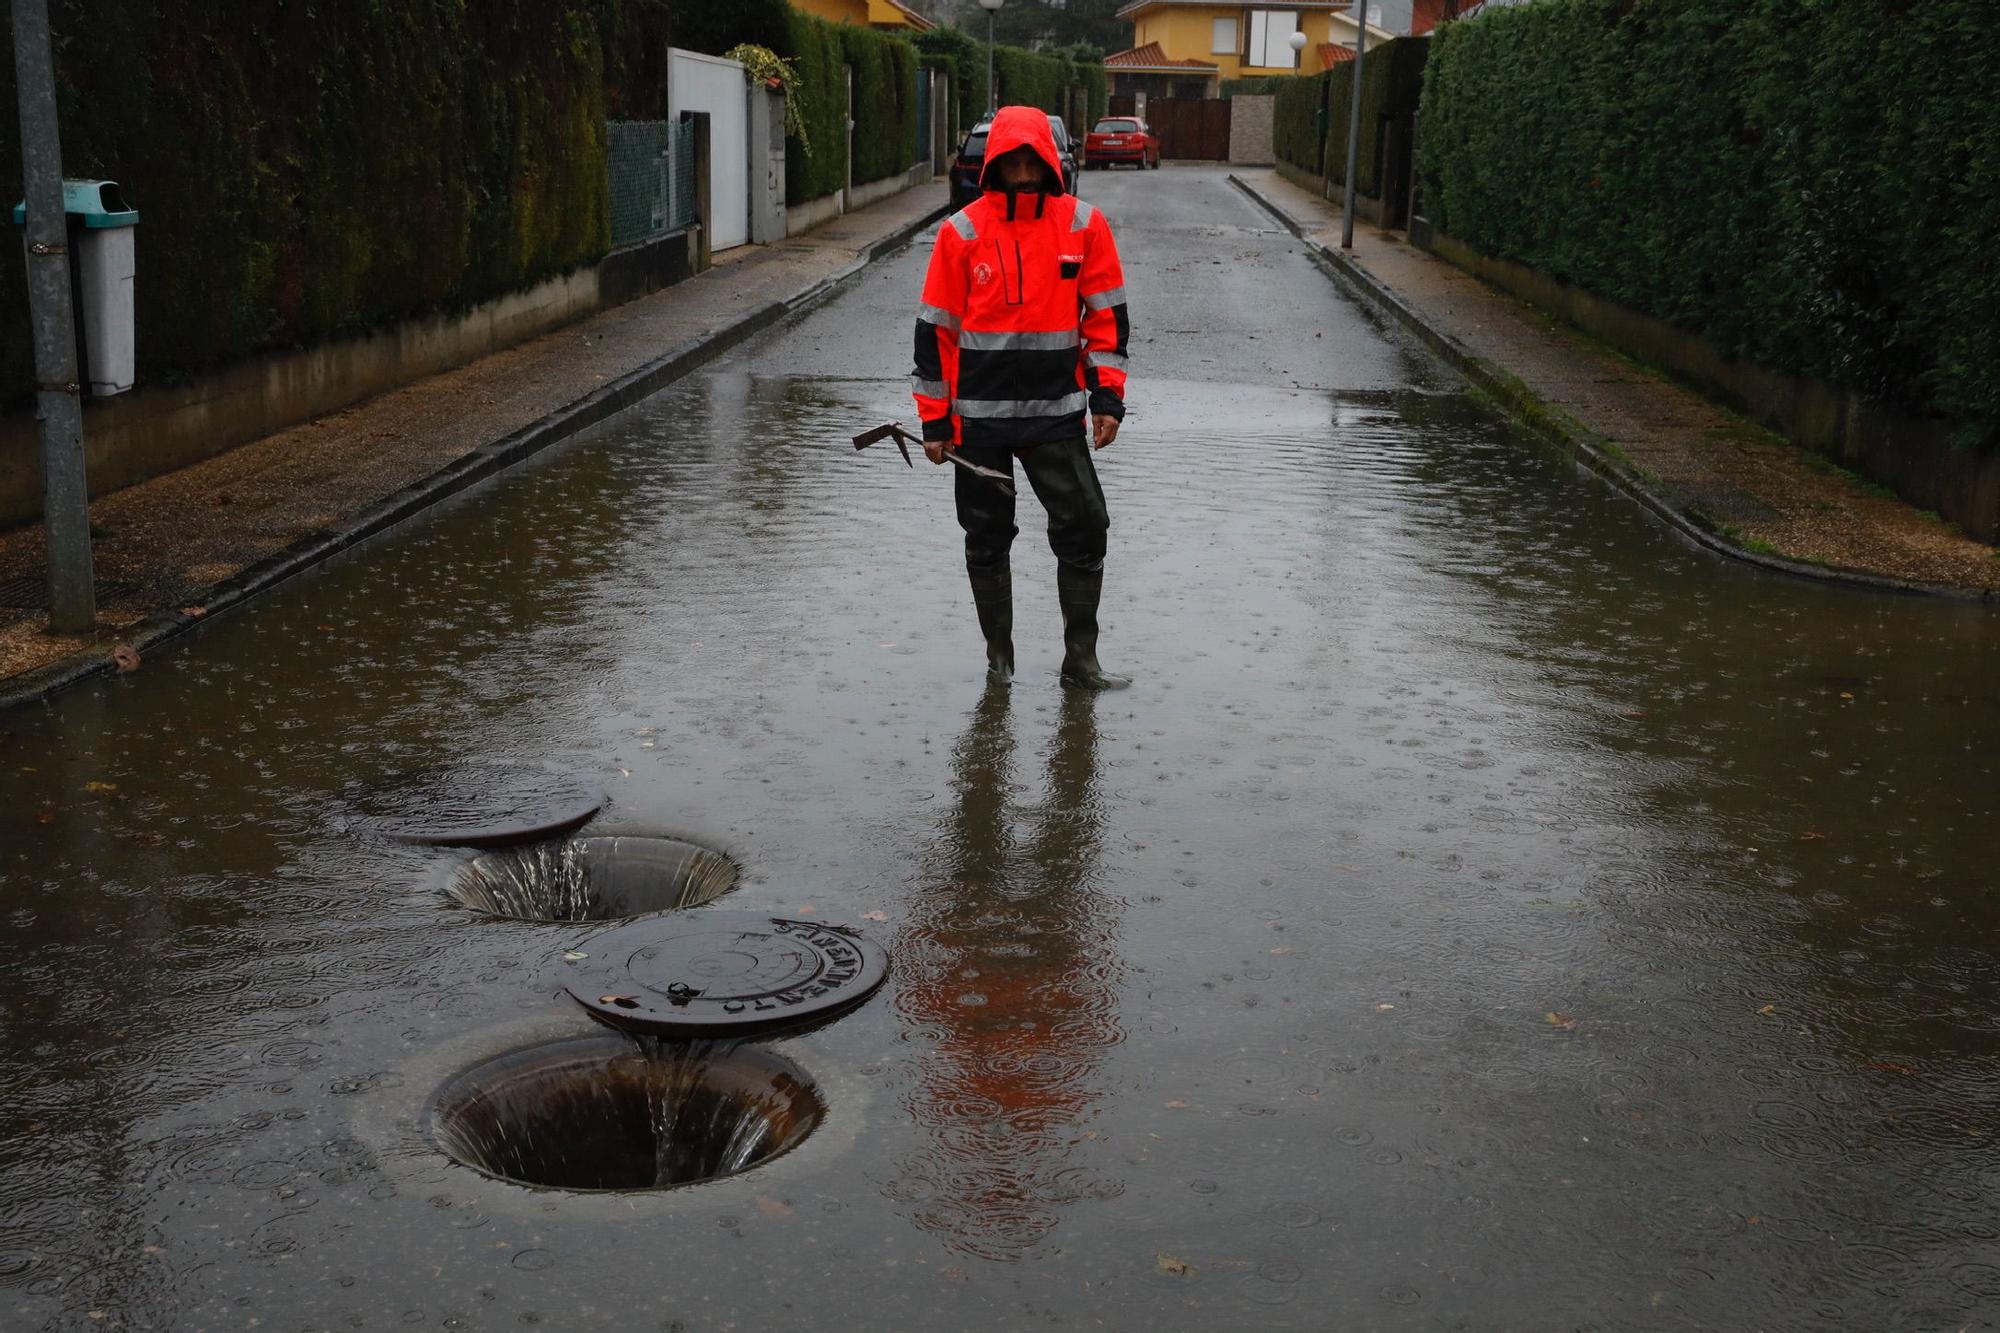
x=1354, y=127
x=991, y=7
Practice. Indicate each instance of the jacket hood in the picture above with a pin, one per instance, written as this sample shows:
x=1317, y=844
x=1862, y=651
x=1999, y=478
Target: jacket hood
x=1022, y=127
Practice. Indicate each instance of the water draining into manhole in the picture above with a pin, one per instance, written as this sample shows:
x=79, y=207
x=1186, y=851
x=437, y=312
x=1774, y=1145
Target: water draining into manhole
x=612, y=1113
x=592, y=879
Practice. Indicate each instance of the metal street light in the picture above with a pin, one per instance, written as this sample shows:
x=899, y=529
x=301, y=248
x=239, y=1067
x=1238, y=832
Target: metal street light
x=991, y=7
x=1353, y=126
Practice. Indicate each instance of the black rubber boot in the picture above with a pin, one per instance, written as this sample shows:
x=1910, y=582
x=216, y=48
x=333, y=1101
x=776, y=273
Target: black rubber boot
x=1078, y=590
x=993, y=596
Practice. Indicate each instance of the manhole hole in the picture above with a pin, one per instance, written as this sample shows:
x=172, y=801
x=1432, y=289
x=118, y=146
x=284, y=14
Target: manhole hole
x=592, y=879
x=723, y=974
x=477, y=803
x=596, y=1113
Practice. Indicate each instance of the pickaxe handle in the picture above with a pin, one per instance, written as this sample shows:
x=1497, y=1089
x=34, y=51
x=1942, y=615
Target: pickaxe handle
x=894, y=430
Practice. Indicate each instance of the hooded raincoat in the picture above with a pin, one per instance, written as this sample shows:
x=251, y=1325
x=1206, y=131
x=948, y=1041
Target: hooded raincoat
x=1023, y=324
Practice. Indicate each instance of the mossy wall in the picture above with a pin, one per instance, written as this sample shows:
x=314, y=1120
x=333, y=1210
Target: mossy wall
x=308, y=172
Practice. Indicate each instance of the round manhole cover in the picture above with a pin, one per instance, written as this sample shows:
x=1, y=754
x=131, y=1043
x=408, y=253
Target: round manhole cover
x=724, y=974
x=477, y=803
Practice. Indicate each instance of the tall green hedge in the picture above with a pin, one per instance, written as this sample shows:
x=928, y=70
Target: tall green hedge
x=1026, y=78
x=885, y=111
x=1810, y=183
x=307, y=172
x=1296, y=121
x=1392, y=80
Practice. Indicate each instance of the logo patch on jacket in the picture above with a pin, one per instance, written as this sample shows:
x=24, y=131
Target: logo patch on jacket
x=982, y=274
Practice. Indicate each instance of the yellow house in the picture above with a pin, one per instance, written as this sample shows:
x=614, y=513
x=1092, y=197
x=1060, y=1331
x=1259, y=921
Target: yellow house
x=884, y=15
x=1185, y=48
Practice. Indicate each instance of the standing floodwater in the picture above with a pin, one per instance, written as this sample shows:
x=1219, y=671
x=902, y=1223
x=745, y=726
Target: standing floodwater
x=1483, y=911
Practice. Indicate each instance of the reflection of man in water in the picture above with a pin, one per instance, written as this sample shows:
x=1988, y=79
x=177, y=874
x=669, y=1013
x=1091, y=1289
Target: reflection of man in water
x=1015, y=980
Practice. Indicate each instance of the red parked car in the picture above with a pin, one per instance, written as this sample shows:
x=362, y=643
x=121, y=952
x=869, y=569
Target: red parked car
x=1121, y=139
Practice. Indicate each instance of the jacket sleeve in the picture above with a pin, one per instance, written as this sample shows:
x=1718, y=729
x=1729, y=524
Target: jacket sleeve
x=937, y=335
x=1106, y=327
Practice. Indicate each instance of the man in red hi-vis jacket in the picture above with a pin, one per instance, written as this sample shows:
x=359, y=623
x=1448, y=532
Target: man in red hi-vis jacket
x=1022, y=334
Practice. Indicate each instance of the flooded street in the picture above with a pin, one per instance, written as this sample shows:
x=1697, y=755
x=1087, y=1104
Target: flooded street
x=1484, y=911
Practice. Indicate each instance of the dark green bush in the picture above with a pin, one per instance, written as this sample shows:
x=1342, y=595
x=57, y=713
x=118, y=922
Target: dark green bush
x=1809, y=183
x=1027, y=78
x=885, y=124
x=1392, y=81
x=1296, y=123
x=305, y=173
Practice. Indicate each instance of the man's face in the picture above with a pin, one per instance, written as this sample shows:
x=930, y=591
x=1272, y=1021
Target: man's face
x=1019, y=169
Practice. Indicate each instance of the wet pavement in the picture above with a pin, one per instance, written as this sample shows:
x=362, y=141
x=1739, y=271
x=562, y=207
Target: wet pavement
x=1484, y=911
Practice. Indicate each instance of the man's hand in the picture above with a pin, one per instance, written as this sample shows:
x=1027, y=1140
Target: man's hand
x=934, y=450
x=1103, y=430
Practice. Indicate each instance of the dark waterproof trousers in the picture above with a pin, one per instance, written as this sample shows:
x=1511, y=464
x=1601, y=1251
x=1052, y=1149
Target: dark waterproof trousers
x=1065, y=481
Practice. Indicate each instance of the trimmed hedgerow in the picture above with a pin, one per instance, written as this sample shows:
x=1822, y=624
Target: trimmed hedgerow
x=885, y=124
x=1392, y=81
x=306, y=173
x=1806, y=183
x=1026, y=78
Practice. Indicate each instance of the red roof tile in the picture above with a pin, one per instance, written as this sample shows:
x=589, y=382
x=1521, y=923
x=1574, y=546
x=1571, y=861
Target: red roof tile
x=1150, y=56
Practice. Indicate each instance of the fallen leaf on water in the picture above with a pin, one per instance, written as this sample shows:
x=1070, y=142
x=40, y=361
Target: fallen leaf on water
x=874, y=916
x=574, y=955
x=1282, y=950
x=807, y=910
x=1845, y=695
x=1384, y=1008
x=1172, y=1267
x=1563, y=1021
x=1890, y=1066
x=1177, y=1105
x=1812, y=837
x=100, y=786
x=45, y=816
x=622, y=1001
x=773, y=1207
x=126, y=656
x=1768, y=1009
x=194, y=612
x=953, y=1274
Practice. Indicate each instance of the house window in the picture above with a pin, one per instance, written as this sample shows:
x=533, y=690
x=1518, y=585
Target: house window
x=1223, y=40
x=1270, y=39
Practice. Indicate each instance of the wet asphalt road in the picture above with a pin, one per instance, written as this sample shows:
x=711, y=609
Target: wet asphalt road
x=1483, y=913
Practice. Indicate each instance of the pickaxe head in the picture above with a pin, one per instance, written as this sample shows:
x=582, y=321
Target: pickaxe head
x=886, y=431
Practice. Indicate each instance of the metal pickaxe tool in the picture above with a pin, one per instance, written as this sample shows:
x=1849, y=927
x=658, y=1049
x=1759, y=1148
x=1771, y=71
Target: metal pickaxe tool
x=891, y=430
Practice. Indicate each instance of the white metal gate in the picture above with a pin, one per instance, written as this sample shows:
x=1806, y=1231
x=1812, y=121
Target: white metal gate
x=704, y=83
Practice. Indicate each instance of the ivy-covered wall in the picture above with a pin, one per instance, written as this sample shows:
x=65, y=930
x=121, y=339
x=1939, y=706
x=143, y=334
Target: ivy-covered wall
x=1807, y=183
x=307, y=172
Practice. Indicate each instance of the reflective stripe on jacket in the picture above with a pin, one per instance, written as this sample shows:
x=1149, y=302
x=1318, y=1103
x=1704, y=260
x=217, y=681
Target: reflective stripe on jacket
x=1023, y=323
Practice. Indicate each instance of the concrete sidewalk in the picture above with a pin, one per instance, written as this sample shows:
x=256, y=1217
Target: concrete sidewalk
x=176, y=550
x=1725, y=482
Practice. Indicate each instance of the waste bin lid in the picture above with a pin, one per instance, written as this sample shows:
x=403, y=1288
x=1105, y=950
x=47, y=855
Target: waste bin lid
x=98, y=203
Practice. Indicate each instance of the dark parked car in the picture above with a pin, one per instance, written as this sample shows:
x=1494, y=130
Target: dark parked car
x=971, y=158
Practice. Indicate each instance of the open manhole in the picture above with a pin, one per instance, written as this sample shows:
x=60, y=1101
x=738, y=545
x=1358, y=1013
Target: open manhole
x=599, y=1113
x=592, y=879
x=477, y=803
x=723, y=974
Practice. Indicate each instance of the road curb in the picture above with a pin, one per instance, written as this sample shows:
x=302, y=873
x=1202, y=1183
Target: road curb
x=1557, y=426
x=482, y=464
